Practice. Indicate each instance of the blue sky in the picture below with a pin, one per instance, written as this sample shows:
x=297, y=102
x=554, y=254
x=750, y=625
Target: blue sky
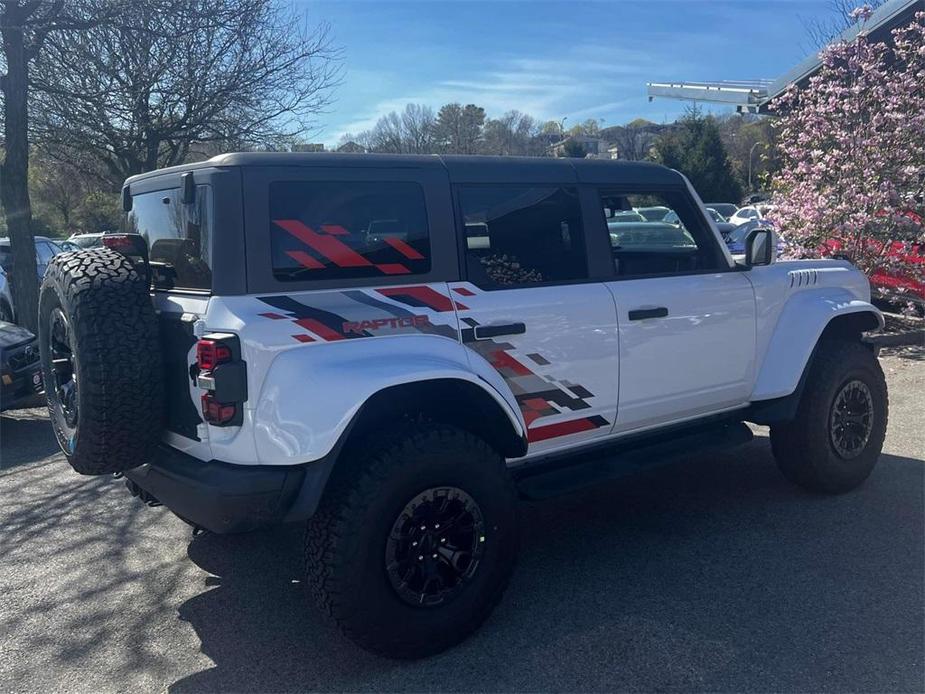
x=553, y=60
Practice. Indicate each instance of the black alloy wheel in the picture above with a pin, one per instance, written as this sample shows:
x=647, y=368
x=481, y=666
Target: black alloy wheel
x=434, y=546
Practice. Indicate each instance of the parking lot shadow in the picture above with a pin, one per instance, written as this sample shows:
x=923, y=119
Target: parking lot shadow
x=25, y=437
x=713, y=574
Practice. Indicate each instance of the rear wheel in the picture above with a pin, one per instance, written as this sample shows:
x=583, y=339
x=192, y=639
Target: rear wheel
x=415, y=540
x=835, y=440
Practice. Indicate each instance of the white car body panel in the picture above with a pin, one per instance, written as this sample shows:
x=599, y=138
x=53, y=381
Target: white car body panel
x=795, y=301
x=563, y=370
x=581, y=372
x=296, y=425
x=697, y=360
x=287, y=339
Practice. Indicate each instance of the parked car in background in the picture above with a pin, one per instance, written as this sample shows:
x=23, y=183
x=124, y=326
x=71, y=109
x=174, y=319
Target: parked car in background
x=20, y=368
x=653, y=214
x=735, y=239
x=727, y=209
x=69, y=246
x=86, y=240
x=722, y=225
x=6, y=298
x=625, y=216
x=45, y=250
x=751, y=213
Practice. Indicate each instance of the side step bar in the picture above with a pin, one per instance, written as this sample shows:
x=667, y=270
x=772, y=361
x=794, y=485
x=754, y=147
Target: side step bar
x=556, y=476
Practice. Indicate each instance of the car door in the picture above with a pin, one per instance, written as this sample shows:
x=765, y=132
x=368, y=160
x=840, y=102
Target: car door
x=529, y=309
x=43, y=255
x=686, y=317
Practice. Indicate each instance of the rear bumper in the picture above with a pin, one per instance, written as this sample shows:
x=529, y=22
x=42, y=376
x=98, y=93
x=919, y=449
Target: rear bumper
x=20, y=386
x=221, y=497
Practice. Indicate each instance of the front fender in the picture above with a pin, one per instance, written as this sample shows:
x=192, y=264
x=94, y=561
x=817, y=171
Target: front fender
x=799, y=325
x=310, y=394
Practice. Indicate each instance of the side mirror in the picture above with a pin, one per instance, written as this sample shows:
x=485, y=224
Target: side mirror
x=759, y=247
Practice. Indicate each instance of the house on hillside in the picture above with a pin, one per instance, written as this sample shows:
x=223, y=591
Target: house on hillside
x=351, y=147
x=594, y=147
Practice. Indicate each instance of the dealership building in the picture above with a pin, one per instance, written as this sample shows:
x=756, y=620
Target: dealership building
x=755, y=96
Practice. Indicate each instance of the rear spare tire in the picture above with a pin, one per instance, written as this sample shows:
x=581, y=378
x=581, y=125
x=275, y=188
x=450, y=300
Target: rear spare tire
x=101, y=361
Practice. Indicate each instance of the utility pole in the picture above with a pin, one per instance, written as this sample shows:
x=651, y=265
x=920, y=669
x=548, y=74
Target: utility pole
x=750, y=165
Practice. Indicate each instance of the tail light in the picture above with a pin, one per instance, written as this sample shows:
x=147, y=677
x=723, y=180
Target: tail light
x=210, y=353
x=218, y=413
x=223, y=375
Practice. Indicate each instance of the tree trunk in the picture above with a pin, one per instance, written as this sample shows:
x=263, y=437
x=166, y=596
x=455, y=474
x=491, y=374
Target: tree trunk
x=14, y=172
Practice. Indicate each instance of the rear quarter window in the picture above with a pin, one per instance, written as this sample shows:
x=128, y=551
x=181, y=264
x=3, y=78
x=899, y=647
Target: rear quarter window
x=178, y=236
x=323, y=230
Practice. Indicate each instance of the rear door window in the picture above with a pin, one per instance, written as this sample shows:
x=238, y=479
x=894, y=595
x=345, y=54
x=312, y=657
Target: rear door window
x=323, y=230
x=178, y=236
x=522, y=235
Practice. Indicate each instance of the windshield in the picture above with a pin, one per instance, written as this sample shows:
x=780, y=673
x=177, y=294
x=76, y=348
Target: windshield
x=86, y=241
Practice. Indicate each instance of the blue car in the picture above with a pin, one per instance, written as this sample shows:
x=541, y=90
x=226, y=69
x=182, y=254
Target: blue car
x=735, y=239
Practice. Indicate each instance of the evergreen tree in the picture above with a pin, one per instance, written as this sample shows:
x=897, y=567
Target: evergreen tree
x=695, y=149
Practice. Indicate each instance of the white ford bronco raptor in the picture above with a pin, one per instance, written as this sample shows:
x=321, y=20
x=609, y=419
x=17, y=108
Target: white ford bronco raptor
x=393, y=349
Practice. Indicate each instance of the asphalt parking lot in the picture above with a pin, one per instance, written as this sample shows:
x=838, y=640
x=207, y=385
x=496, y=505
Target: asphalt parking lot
x=710, y=575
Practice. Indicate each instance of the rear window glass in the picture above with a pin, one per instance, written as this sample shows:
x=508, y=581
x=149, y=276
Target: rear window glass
x=348, y=229
x=178, y=236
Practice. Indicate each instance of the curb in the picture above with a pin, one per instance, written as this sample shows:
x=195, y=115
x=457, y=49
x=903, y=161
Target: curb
x=909, y=337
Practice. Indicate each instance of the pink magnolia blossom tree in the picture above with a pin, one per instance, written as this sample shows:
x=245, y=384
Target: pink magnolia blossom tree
x=852, y=145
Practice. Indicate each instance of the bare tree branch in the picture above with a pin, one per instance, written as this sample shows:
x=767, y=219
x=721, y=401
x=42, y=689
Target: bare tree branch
x=136, y=92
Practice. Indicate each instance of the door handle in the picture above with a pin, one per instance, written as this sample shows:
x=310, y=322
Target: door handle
x=485, y=332
x=643, y=313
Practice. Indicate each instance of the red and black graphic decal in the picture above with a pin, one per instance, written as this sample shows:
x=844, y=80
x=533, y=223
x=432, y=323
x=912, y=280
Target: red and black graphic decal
x=537, y=396
x=329, y=249
x=572, y=426
x=361, y=314
x=421, y=297
x=326, y=325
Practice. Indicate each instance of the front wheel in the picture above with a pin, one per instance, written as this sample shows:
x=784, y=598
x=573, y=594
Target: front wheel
x=835, y=440
x=415, y=540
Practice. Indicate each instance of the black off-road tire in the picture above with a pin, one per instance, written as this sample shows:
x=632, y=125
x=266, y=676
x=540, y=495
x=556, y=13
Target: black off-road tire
x=345, y=545
x=805, y=448
x=116, y=355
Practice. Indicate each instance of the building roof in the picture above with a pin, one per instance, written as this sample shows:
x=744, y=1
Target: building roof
x=755, y=95
x=461, y=168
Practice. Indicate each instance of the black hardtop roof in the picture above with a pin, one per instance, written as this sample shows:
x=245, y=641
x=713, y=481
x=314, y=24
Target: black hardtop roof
x=461, y=168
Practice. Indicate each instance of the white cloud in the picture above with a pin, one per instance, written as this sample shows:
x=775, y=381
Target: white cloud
x=546, y=88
